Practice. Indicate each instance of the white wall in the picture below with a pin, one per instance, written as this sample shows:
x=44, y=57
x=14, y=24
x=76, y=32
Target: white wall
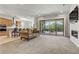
x=26, y=22
x=74, y=27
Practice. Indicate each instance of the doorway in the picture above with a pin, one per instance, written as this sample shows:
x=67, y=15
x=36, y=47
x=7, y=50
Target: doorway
x=52, y=26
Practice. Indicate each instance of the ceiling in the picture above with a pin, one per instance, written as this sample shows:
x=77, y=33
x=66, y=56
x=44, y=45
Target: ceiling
x=30, y=10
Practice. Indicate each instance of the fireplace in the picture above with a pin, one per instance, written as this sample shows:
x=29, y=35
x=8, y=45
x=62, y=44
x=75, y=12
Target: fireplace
x=74, y=34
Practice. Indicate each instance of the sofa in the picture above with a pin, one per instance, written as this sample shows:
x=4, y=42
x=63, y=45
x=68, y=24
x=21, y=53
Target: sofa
x=29, y=34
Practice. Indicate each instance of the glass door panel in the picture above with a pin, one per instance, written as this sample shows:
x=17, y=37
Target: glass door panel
x=46, y=27
x=54, y=27
x=49, y=27
x=60, y=27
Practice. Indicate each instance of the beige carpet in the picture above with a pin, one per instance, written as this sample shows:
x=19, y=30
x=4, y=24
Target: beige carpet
x=44, y=44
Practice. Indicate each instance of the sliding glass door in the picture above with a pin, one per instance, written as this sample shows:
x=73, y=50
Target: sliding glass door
x=60, y=26
x=49, y=27
x=54, y=27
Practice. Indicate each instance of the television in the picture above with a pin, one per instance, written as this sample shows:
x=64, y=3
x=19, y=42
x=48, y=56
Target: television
x=73, y=16
x=2, y=27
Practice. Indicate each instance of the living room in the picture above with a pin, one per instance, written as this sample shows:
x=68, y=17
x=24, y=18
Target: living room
x=38, y=28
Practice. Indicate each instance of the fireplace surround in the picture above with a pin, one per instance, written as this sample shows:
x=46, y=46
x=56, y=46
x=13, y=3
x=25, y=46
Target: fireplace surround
x=74, y=24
